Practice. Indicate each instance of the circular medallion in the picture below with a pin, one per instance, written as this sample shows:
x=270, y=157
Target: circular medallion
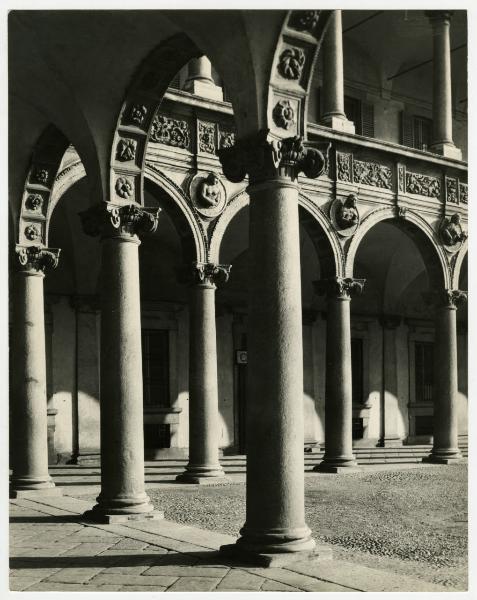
x=344, y=215
x=208, y=195
x=451, y=233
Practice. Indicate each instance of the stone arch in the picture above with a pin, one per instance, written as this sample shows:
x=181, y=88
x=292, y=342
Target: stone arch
x=171, y=197
x=459, y=260
x=39, y=184
x=419, y=230
x=327, y=246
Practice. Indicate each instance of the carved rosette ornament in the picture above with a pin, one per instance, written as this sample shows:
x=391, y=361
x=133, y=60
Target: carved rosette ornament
x=451, y=233
x=33, y=232
x=124, y=187
x=339, y=287
x=226, y=139
x=208, y=195
x=284, y=114
x=110, y=220
x=34, y=202
x=35, y=258
x=262, y=157
x=41, y=176
x=126, y=149
x=138, y=114
x=304, y=20
x=291, y=62
x=345, y=216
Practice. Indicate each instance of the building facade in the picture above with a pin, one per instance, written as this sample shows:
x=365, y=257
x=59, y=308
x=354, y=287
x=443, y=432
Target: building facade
x=240, y=242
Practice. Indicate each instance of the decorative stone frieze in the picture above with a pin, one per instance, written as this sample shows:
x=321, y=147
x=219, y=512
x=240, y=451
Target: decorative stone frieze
x=284, y=114
x=137, y=114
x=339, y=287
x=304, y=20
x=41, y=176
x=463, y=188
x=34, y=202
x=226, y=139
x=291, y=62
x=171, y=132
x=109, y=220
x=451, y=191
x=401, y=177
x=208, y=195
x=36, y=258
x=262, y=157
x=343, y=166
x=344, y=215
x=451, y=233
x=33, y=232
x=124, y=187
x=206, y=137
x=424, y=185
x=126, y=149
x=372, y=173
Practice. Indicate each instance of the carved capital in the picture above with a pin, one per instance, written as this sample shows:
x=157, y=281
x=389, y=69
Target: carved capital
x=450, y=299
x=204, y=273
x=110, y=220
x=339, y=287
x=262, y=157
x=35, y=258
x=439, y=16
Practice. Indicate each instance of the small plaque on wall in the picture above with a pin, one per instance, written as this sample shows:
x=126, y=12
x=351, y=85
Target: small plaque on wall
x=241, y=357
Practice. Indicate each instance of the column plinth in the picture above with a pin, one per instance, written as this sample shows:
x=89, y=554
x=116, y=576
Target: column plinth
x=123, y=495
x=29, y=432
x=338, y=384
x=445, y=448
x=275, y=530
x=203, y=466
x=333, y=79
x=199, y=79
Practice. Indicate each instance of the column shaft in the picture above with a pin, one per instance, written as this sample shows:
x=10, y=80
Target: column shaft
x=275, y=480
x=390, y=437
x=29, y=433
x=199, y=79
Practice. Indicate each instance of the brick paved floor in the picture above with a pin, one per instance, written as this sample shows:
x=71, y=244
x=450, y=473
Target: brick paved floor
x=51, y=549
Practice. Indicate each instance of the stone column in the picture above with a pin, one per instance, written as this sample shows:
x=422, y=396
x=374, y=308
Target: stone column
x=442, y=142
x=29, y=425
x=338, y=385
x=203, y=466
x=445, y=448
x=199, y=79
x=275, y=528
x=333, y=80
x=390, y=404
x=122, y=494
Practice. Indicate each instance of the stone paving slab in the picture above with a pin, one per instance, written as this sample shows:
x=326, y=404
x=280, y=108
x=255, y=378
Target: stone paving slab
x=59, y=554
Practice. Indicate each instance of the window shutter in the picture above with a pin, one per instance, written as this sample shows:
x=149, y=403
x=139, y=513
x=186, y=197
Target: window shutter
x=367, y=119
x=407, y=137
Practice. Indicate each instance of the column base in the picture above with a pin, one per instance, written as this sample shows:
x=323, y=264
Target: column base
x=338, y=465
x=444, y=457
x=205, y=89
x=97, y=516
x=203, y=475
x=338, y=123
x=447, y=149
x=38, y=493
x=390, y=442
x=122, y=509
x=257, y=558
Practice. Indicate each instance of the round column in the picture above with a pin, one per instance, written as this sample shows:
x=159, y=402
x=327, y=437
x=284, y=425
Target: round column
x=445, y=448
x=200, y=81
x=333, y=80
x=203, y=466
x=123, y=493
x=29, y=425
x=338, y=384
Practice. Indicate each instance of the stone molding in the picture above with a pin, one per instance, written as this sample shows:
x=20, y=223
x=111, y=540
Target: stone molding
x=423, y=185
x=261, y=157
x=201, y=273
x=110, y=220
x=172, y=132
x=36, y=258
x=339, y=287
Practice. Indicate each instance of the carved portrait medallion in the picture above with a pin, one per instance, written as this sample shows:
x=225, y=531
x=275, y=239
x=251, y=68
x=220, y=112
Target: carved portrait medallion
x=344, y=215
x=451, y=233
x=208, y=195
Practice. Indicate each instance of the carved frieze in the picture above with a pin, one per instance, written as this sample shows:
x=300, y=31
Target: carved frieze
x=172, y=132
x=372, y=173
x=33, y=232
x=291, y=62
x=126, y=149
x=401, y=177
x=344, y=215
x=137, y=114
x=107, y=220
x=424, y=185
x=451, y=191
x=451, y=233
x=208, y=195
x=124, y=187
x=463, y=188
x=262, y=157
x=284, y=114
x=226, y=139
x=206, y=137
x=34, y=202
x=343, y=166
x=36, y=258
x=304, y=20
x=339, y=287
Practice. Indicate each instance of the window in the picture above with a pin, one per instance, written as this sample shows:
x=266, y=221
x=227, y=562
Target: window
x=424, y=371
x=362, y=115
x=155, y=367
x=416, y=132
x=357, y=369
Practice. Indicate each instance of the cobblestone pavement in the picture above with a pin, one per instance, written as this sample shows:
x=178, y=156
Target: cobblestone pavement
x=51, y=549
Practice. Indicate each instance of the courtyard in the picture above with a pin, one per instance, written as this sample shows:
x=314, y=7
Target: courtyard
x=383, y=529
